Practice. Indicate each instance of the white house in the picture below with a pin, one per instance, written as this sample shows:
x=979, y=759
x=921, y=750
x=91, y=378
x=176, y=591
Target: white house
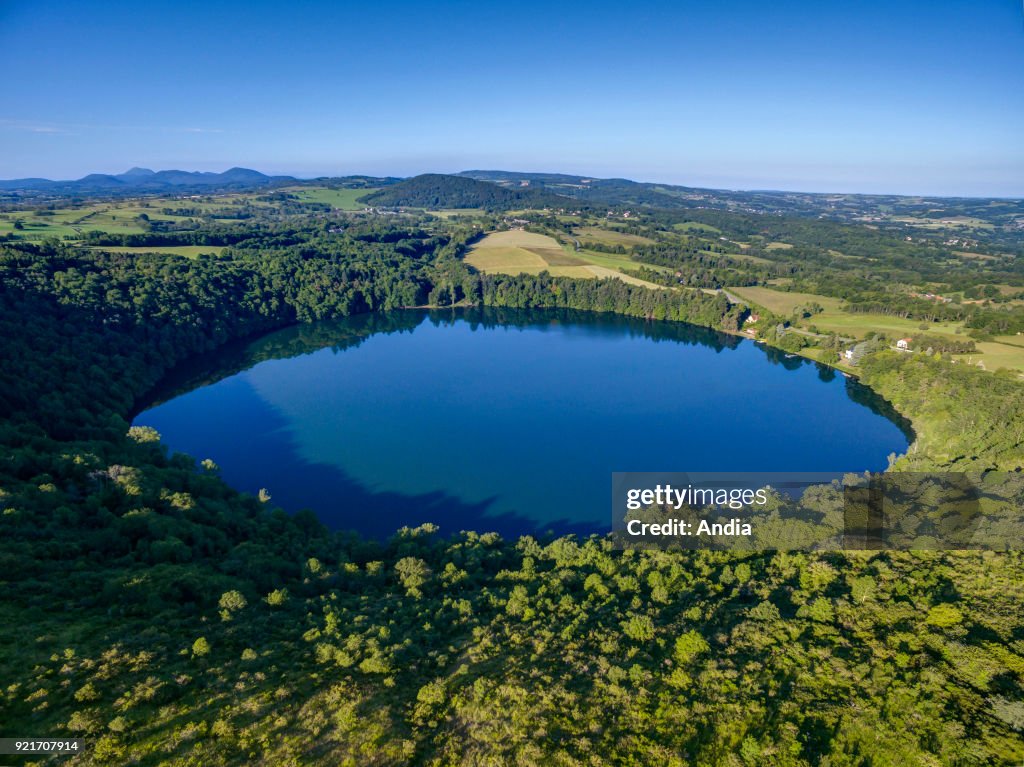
x=904, y=344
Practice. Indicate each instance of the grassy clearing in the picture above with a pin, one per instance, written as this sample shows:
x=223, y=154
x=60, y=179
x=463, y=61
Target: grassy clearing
x=604, y=271
x=153, y=213
x=693, y=226
x=858, y=325
x=781, y=302
x=974, y=256
x=994, y=355
x=616, y=261
x=611, y=237
x=778, y=246
x=741, y=257
x=453, y=212
x=34, y=229
x=113, y=221
x=944, y=223
x=345, y=199
x=68, y=215
x=847, y=256
x=189, y=251
x=612, y=264
x=1003, y=352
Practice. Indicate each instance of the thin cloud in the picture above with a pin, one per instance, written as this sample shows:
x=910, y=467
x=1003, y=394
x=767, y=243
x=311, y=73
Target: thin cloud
x=31, y=127
x=71, y=128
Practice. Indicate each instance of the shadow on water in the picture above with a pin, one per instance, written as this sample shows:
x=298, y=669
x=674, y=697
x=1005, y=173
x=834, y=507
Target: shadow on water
x=855, y=390
x=865, y=396
x=238, y=356
x=342, y=502
x=350, y=332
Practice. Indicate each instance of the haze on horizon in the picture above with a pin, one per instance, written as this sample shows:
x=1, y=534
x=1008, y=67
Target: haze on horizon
x=911, y=98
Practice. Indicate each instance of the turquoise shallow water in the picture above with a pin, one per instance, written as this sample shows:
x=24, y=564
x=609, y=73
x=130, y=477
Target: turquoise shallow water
x=505, y=420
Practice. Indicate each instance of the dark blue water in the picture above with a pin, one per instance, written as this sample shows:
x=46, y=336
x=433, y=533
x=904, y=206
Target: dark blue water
x=510, y=421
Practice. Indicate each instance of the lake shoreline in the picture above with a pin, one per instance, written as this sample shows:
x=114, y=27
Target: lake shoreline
x=461, y=373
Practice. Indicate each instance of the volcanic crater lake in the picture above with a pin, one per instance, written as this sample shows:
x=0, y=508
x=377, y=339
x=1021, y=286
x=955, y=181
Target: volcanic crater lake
x=505, y=420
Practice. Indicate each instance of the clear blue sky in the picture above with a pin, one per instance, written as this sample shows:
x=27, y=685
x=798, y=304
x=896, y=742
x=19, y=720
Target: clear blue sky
x=819, y=95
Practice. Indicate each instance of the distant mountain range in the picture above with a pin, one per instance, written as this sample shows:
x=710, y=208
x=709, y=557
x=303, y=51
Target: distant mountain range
x=506, y=190
x=146, y=180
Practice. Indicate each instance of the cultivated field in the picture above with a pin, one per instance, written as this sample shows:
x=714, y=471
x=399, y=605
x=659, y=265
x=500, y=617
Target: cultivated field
x=189, y=251
x=519, y=252
x=510, y=260
x=616, y=261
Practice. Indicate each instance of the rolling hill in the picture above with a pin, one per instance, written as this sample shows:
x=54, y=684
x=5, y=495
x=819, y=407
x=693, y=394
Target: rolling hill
x=435, y=190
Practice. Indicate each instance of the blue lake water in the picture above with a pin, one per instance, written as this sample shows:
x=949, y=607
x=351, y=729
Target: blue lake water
x=505, y=420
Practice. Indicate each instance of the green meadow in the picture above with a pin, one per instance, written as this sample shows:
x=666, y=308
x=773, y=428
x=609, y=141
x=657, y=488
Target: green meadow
x=1003, y=352
x=611, y=236
x=345, y=199
x=188, y=251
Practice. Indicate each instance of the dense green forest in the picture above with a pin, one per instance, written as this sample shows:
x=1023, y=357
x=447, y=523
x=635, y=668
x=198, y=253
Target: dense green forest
x=433, y=190
x=166, y=618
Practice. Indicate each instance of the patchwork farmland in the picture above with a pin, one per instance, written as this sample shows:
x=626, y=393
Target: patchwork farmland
x=521, y=252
